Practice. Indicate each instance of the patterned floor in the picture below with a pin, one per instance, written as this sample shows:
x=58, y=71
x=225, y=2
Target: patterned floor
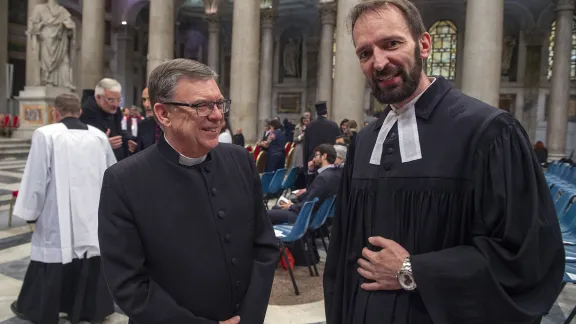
x=15, y=249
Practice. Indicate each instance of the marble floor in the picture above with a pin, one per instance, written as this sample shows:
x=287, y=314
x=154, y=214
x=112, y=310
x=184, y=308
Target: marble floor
x=15, y=250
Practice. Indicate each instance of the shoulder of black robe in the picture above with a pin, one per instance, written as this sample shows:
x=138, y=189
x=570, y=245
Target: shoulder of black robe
x=513, y=269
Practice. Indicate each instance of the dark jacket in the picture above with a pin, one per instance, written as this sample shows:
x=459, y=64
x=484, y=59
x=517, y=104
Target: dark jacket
x=148, y=131
x=324, y=186
x=207, y=252
x=320, y=131
x=94, y=116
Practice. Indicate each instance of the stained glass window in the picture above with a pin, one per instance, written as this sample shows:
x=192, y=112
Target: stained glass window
x=551, y=50
x=442, y=60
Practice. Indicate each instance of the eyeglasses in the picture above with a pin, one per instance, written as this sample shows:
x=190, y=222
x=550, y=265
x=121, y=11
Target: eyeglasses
x=112, y=100
x=204, y=109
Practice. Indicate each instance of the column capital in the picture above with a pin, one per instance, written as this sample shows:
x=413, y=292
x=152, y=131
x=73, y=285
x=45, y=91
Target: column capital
x=213, y=21
x=327, y=13
x=267, y=16
x=562, y=5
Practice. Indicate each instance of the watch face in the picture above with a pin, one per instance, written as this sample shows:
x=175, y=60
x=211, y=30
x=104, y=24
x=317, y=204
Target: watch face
x=406, y=281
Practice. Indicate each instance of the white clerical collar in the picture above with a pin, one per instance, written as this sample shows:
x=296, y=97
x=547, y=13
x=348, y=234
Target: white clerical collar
x=408, y=138
x=184, y=160
x=325, y=168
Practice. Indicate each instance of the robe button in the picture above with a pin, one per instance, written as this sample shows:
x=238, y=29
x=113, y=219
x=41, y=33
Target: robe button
x=387, y=167
x=206, y=170
x=390, y=150
x=228, y=237
x=392, y=135
x=234, y=262
x=237, y=307
x=214, y=191
x=238, y=284
x=221, y=214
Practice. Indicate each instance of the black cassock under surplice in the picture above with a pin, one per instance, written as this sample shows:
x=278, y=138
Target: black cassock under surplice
x=474, y=213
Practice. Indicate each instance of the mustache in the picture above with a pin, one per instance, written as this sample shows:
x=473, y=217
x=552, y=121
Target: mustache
x=388, y=71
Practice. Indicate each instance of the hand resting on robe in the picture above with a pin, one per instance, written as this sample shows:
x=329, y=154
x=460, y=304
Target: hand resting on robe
x=382, y=266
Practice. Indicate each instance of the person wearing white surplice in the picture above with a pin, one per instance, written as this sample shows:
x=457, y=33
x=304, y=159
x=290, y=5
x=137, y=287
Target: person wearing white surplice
x=60, y=191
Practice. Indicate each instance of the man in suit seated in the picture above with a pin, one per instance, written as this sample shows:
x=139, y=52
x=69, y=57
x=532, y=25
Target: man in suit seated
x=325, y=185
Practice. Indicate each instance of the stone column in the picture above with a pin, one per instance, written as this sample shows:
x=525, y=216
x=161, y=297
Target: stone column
x=160, y=33
x=266, y=68
x=124, y=71
x=349, y=82
x=92, y=51
x=244, y=70
x=557, y=127
x=4, y=95
x=32, y=61
x=213, y=42
x=328, y=18
x=483, y=50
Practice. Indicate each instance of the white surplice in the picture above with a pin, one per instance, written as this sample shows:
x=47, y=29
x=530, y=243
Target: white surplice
x=60, y=189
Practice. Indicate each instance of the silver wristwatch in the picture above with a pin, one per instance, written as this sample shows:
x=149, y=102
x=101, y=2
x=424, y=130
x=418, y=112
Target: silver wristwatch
x=405, y=276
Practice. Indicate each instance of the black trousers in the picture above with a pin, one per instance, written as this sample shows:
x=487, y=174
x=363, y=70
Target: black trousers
x=282, y=216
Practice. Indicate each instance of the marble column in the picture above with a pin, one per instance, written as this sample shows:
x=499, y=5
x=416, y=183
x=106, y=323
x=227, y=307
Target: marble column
x=483, y=50
x=160, y=33
x=32, y=62
x=124, y=71
x=266, y=68
x=328, y=18
x=349, y=82
x=4, y=95
x=557, y=127
x=92, y=51
x=244, y=70
x=213, y=42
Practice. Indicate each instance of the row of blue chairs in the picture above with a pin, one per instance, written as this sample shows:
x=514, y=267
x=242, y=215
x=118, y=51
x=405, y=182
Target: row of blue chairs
x=308, y=224
x=561, y=178
x=274, y=184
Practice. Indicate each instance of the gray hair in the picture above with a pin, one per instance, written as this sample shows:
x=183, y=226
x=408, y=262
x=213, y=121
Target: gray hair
x=164, y=78
x=107, y=84
x=67, y=104
x=341, y=151
x=408, y=9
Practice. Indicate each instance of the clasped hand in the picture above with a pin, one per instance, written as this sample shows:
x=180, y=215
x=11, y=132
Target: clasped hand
x=383, y=266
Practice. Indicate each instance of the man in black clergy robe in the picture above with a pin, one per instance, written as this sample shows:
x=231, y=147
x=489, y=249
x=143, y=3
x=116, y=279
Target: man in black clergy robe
x=443, y=214
x=201, y=248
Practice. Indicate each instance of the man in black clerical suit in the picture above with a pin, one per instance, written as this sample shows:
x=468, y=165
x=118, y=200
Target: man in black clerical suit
x=100, y=110
x=201, y=248
x=443, y=213
x=320, y=131
x=148, y=130
x=325, y=185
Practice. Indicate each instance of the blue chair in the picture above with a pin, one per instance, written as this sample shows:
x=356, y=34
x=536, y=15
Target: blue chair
x=266, y=179
x=276, y=184
x=569, y=277
x=289, y=234
x=290, y=180
x=319, y=220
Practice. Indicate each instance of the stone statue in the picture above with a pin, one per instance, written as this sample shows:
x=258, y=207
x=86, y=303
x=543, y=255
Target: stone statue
x=53, y=35
x=291, y=58
x=507, y=52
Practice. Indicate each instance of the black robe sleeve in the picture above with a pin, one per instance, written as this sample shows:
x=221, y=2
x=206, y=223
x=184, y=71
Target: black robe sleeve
x=266, y=256
x=332, y=277
x=123, y=261
x=512, y=270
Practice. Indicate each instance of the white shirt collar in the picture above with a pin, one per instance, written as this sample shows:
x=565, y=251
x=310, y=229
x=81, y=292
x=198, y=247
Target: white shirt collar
x=184, y=160
x=408, y=138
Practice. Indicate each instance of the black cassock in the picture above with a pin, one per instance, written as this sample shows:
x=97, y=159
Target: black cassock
x=187, y=244
x=474, y=213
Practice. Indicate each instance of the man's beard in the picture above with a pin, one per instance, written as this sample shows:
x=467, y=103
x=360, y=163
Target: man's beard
x=410, y=81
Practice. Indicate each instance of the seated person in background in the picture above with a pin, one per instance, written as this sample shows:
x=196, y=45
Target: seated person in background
x=324, y=186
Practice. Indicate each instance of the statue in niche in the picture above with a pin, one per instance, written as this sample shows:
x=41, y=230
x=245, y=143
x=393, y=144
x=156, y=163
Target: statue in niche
x=53, y=37
x=291, y=58
x=507, y=52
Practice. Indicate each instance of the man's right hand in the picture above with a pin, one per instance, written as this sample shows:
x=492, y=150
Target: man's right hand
x=233, y=320
x=115, y=141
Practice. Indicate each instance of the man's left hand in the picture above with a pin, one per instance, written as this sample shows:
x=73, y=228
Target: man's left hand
x=132, y=146
x=383, y=266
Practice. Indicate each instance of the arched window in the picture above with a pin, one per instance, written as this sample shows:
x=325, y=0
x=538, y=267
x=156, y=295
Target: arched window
x=551, y=50
x=442, y=60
